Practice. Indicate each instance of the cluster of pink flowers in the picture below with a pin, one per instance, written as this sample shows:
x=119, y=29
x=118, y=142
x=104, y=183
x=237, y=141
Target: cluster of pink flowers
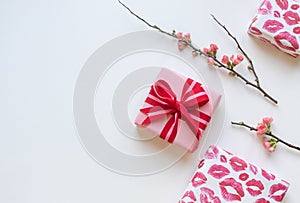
x=228, y=62
x=182, y=39
x=263, y=128
x=269, y=144
x=232, y=61
x=211, y=51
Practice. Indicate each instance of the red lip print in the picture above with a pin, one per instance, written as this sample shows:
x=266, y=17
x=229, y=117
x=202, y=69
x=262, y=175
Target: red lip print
x=291, y=18
x=296, y=30
x=265, y=8
x=295, y=6
x=201, y=163
x=276, y=14
x=283, y=4
x=281, y=39
x=243, y=176
x=254, y=30
x=253, y=169
x=223, y=159
x=267, y=175
x=212, y=152
x=255, y=187
x=277, y=192
x=237, y=164
x=189, y=194
x=262, y=200
x=218, y=171
x=273, y=26
x=207, y=196
x=198, y=179
x=230, y=182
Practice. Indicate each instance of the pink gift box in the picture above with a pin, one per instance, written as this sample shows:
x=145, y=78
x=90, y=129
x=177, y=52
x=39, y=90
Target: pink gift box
x=278, y=23
x=224, y=177
x=177, y=109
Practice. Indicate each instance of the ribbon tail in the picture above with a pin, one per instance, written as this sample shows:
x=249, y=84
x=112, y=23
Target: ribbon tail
x=193, y=125
x=201, y=119
x=154, y=114
x=169, y=131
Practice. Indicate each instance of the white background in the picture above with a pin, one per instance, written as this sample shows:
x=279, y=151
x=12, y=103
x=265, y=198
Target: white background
x=43, y=46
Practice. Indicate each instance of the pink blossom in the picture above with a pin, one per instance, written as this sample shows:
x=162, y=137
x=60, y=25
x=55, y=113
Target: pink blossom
x=181, y=46
x=206, y=50
x=261, y=132
x=213, y=47
x=266, y=143
x=236, y=61
x=211, y=50
x=268, y=146
x=267, y=120
x=271, y=149
x=179, y=35
x=231, y=57
x=194, y=53
x=262, y=128
x=187, y=36
x=240, y=57
x=210, y=61
x=225, y=59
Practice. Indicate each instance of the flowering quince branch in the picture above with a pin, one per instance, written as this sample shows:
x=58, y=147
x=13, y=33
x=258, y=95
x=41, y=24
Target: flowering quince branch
x=263, y=130
x=227, y=63
x=250, y=66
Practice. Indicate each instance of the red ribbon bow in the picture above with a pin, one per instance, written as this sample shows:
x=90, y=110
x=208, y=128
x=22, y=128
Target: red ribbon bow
x=163, y=102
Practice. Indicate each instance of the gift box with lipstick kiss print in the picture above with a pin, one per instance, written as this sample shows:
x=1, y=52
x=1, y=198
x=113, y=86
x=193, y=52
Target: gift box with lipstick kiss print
x=224, y=177
x=178, y=109
x=278, y=23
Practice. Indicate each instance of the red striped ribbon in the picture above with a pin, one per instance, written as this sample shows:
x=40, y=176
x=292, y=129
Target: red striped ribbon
x=162, y=102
